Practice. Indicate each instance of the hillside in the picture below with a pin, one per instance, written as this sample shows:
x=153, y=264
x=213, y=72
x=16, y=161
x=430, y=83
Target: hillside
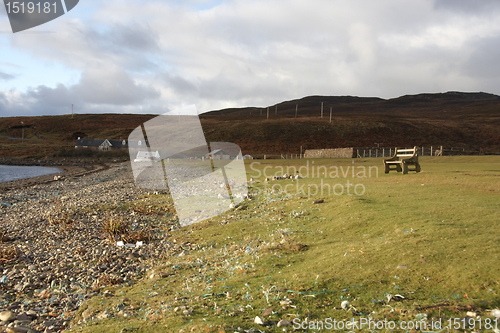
x=453, y=119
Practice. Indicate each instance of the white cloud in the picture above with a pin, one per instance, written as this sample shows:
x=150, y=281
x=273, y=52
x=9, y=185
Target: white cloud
x=164, y=54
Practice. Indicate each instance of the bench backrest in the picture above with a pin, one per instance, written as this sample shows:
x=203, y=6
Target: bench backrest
x=405, y=152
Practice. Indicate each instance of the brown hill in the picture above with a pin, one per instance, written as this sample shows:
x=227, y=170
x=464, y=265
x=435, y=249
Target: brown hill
x=452, y=119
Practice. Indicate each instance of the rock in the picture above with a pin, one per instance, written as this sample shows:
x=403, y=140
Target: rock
x=44, y=294
x=345, y=305
x=18, y=329
x=318, y=201
x=103, y=315
x=7, y=316
x=258, y=320
x=495, y=313
x=267, y=312
x=283, y=323
x=32, y=313
x=24, y=316
x=471, y=314
x=402, y=267
x=87, y=313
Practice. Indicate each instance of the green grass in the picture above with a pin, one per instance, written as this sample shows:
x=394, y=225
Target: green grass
x=349, y=247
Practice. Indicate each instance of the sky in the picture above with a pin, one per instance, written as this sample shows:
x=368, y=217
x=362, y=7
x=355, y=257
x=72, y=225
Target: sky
x=122, y=56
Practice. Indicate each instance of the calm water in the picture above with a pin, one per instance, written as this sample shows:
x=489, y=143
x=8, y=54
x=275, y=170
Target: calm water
x=12, y=172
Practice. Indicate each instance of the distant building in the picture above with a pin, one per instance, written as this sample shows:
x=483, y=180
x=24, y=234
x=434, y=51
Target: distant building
x=147, y=156
x=218, y=154
x=101, y=144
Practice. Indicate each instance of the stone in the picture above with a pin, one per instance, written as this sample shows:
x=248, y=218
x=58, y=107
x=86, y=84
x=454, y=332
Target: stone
x=283, y=323
x=23, y=316
x=258, y=320
x=87, y=313
x=17, y=329
x=103, y=315
x=495, y=313
x=7, y=316
x=345, y=305
x=267, y=312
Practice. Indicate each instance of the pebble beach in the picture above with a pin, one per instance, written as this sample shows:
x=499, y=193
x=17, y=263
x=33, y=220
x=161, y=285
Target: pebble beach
x=54, y=251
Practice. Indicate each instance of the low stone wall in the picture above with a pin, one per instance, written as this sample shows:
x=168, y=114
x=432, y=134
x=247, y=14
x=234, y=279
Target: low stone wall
x=327, y=153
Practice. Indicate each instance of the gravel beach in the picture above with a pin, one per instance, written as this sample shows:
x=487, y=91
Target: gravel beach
x=55, y=252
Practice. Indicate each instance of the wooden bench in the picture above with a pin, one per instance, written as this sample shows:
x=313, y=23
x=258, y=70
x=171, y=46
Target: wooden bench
x=402, y=159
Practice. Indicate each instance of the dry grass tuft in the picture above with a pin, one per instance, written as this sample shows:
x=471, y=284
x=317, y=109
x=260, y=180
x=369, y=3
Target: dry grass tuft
x=114, y=225
x=8, y=253
x=106, y=280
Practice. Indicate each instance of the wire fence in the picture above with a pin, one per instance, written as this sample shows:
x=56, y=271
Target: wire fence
x=366, y=152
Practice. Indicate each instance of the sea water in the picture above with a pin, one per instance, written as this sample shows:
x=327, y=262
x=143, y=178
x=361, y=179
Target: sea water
x=12, y=172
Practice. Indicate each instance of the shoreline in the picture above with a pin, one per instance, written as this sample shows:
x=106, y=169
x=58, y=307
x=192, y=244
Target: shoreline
x=68, y=170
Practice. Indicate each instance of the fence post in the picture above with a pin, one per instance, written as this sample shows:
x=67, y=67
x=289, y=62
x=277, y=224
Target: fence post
x=442, y=151
x=431, y=150
x=376, y=152
x=422, y=150
x=264, y=156
x=321, y=109
x=370, y=153
x=383, y=152
x=296, y=109
x=364, y=153
x=268, y=112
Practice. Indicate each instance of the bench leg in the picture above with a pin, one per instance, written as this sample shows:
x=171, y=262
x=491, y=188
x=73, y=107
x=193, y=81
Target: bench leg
x=398, y=167
x=386, y=168
x=405, y=168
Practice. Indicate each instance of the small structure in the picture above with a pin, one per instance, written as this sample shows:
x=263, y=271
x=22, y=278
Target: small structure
x=101, y=144
x=248, y=157
x=402, y=159
x=219, y=154
x=147, y=156
x=330, y=153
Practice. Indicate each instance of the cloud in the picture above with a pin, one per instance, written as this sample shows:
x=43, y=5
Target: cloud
x=483, y=60
x=98, y=90
x=5, y=76
x=466, y=6
x=111, y=86
x=160, y=55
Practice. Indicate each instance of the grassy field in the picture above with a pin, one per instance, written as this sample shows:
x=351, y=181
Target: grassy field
x=430, y=237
